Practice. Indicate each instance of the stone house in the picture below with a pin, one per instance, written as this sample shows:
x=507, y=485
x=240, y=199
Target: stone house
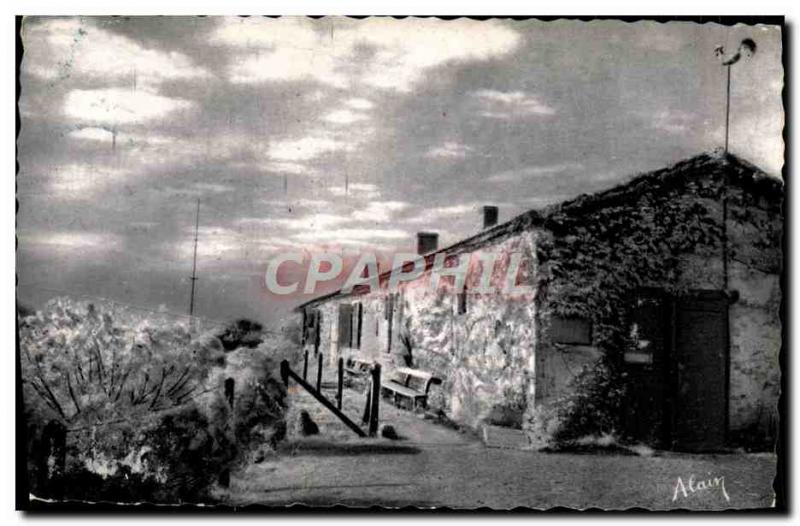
x=651, y=310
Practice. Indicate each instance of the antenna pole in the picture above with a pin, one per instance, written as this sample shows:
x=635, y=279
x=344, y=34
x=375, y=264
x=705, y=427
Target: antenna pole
x=728, y=108
x=194, y=265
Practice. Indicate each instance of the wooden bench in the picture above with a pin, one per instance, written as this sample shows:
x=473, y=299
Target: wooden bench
x=357, y=367
x=400, y=385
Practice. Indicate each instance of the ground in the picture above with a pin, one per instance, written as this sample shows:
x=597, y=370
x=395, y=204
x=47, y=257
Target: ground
x=434, y=465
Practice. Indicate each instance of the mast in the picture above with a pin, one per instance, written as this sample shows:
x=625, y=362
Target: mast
x=194, y=265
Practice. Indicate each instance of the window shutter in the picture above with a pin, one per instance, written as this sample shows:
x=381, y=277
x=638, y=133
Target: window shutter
x=575, y=331
x=345, y=325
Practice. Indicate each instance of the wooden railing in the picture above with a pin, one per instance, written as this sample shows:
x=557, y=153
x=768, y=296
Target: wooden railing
x=371, y=414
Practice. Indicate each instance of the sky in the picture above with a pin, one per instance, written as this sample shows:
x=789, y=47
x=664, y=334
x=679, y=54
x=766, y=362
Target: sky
x=342, y=135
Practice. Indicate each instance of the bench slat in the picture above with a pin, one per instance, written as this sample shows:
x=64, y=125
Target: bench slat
x=403, y=390
x=415, y=372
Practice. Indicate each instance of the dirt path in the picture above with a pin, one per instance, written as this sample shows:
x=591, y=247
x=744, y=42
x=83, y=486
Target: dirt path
x=433, y=465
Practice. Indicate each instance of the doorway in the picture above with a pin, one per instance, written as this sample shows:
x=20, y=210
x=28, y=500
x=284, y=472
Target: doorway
x=678, y=375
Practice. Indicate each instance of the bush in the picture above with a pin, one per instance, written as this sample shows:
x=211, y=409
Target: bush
x=241, y=333
x=595, y=408
x=142, y=404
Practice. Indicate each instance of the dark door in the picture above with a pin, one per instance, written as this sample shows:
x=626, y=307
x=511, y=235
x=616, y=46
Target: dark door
x=700, y=373
x=646, y=364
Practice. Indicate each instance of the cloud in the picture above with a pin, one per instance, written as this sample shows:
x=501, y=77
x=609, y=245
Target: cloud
x=510, y=104
x=83, y=181
x=530, y=172
x=359, y=104
x=305, y=148
x=344, y=117
x=379, y=211
x=70, y=241
x=378, y=53
x=306, y=222
x=443, y=213
x=449, y=150
x=289, y=168
x=93, y=134
x=215, y=243
x=120, y=106
x=672, y=121
x=359, y=190
x=59, y=48
x=351, y=235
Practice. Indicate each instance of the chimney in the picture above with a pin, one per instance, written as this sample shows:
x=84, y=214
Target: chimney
x=427, y=242
x=490, y=214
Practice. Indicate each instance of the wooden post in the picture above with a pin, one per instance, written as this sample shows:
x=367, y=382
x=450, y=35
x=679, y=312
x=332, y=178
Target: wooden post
x=339, y=382
x=52, y=458
x=319, y=372
x=285, y=372
x=367, y=405
x=376, y=400
x=305, y=365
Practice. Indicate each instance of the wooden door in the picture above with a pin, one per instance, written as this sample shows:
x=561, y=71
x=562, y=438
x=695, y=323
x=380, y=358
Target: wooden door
x=700, y=373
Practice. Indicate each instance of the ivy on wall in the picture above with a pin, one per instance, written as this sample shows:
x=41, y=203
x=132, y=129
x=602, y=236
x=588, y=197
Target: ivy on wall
x=607, y=247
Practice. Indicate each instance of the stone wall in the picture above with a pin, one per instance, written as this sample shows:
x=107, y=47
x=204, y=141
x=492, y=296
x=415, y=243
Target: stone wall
x=496, y=359
x=484, y=356
x=753, y=230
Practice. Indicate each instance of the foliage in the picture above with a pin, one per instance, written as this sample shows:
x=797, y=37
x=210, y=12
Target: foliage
x=259, y=410
x=142, y=402
x=594, y=409
x=241, y=333
x=80, y=365
x=599, y=257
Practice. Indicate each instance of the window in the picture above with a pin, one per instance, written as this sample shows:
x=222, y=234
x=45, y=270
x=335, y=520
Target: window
x=345, y=325
x=351, y=318
x=574, y=331
x=312, y=320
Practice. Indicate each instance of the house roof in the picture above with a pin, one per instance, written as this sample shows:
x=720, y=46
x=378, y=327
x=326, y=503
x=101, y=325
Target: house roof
x=735, y=169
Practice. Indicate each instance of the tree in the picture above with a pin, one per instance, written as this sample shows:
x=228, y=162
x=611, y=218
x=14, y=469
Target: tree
x=241, y=333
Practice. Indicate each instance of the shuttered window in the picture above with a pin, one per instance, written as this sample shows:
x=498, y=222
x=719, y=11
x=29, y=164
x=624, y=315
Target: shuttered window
x=345, y=325
x=575, y=331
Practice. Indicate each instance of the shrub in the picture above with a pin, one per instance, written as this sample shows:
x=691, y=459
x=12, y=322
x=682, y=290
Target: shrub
x=595, y=407
x=142, y=404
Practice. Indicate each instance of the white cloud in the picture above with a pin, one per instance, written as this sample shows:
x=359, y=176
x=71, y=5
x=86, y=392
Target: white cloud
x=119, y=106
x=349, y=235
x=449, y=150
x=359, y=104
x=92, y=134
x=59, y=48
x=72, y=241
x=306, y=222
x=510, y=104
x=217, y=243
x=529, y=172
x=360, y=190
x=305, y=148
x=672, y=121
x=331, y=51
x=289, y=168
x=430, y=215
x=379, y=211
x=344, y=117
x=213, y=188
